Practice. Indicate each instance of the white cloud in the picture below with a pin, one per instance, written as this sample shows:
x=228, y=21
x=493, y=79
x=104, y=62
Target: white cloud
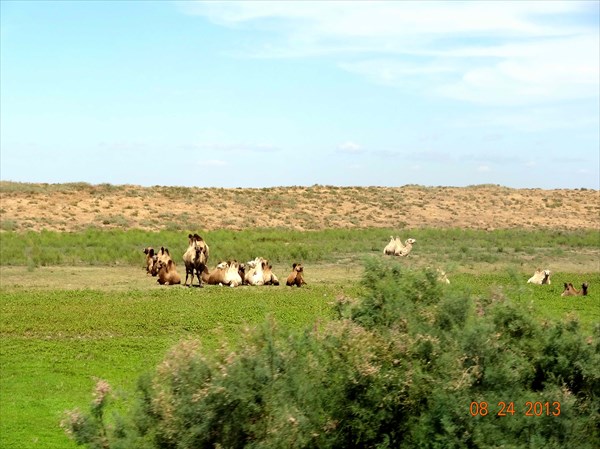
x=398, y=73
x=546, y=70
x=319, y=20
x=531, y=119
x=543, y=71
x=483, y=169
x=350, y=148
x=494, y=53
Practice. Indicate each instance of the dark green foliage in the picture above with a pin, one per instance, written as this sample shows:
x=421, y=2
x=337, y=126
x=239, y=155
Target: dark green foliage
x=399, y=368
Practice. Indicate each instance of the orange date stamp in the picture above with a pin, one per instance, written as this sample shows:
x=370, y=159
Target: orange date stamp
x=531, y=408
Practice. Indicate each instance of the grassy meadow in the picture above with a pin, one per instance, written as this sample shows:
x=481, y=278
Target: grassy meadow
x=464, y=249
x=77, y=306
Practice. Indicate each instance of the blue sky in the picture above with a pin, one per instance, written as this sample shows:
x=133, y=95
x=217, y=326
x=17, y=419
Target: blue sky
x=260, y=94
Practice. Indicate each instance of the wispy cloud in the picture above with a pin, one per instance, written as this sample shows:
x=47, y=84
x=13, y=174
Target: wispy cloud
x=532, y=119
x=492, y=53
x=538, y=70
x=391, y=19
x=350, y=147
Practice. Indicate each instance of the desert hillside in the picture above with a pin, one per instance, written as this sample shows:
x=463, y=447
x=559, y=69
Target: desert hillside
x=68, y=207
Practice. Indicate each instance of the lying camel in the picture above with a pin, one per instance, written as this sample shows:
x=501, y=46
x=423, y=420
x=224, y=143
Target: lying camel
x=269, y=277
x=572, y=291
x=167, y=273
x=540, y=277
x=390, y=248
x=225, y=273
x=150, y=261
x=296, y=277
x=396, y=248
x=255, y=271
x=404, y=250
x=164, y=254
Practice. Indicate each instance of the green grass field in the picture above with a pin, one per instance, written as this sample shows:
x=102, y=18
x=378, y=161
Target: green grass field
x=477, y=250
x=77, y=306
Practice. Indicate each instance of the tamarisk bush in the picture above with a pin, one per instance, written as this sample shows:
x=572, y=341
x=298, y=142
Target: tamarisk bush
x=410, y=364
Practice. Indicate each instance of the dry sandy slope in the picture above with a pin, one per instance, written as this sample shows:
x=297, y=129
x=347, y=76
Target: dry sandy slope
x=76, y=206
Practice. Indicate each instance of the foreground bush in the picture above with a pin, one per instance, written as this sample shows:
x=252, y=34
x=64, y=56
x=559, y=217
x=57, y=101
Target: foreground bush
x=407, y=366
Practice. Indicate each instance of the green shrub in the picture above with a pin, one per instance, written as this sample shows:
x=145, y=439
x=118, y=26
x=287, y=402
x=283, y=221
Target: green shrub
x=8, y=225
x=404, y=367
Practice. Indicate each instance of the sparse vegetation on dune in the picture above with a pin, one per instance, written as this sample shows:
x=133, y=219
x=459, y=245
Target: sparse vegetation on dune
x=78, y=206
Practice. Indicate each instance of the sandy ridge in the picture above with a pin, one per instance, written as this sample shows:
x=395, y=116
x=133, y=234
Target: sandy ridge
x=69, y=207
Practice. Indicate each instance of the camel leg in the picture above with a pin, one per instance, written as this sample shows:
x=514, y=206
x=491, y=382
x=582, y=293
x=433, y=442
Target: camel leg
x=199, y=280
